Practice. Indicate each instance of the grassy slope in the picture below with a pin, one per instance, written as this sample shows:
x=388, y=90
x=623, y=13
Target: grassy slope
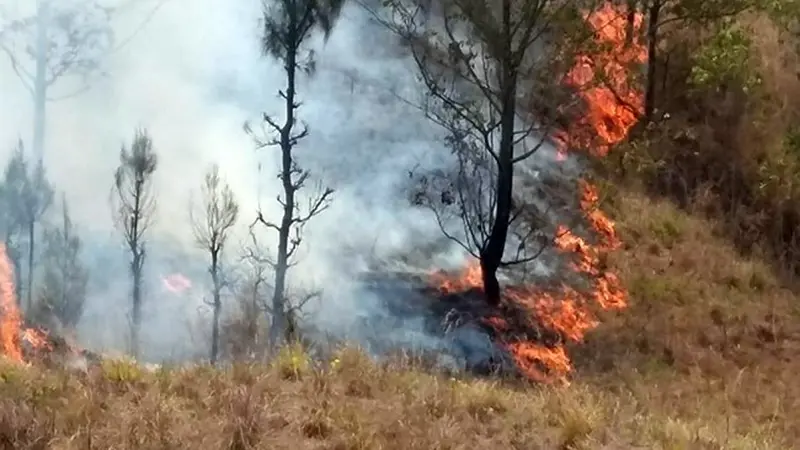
x=703, y=359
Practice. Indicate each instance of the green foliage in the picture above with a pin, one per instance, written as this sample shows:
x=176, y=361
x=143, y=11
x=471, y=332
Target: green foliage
x=725, y=59
x=708, y=11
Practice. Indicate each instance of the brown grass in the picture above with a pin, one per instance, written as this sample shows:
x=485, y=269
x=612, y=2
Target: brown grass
x=352, y=404
x=709, y=334
x=705, y=358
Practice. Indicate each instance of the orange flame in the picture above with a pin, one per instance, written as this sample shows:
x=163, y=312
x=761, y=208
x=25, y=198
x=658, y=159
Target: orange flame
x=612, y=108
x=12, y=332
x=10, y=318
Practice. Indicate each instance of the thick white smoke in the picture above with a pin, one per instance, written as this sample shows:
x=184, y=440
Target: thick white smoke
x=193, y=75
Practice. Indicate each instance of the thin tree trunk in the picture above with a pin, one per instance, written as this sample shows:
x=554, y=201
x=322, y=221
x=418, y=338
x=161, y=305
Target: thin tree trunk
x=14, y=256
x=217, y=309
x=279, y=323
x=630, y=22
x=31, y=251
x=40, y=82
x=652, y=59
x=136, y=306
x=492, y=254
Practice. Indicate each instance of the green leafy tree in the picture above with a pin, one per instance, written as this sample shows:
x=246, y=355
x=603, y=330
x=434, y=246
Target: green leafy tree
x=665, y=16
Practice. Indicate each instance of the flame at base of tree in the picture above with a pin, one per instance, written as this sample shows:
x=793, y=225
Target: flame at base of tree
x=612, y=108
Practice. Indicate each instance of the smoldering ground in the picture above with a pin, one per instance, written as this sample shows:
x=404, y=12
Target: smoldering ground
x=192, y=74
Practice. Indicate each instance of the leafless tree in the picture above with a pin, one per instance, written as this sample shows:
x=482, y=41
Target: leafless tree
x=481, y=64
x=134, y=205
x=219, y=211
x=288, y=25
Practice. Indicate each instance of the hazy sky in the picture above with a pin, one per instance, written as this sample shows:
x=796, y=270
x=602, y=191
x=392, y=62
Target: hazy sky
x=193, y=75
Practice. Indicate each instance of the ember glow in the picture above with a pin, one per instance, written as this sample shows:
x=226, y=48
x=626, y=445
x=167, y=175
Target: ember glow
x=12, y=332
x=611, y=109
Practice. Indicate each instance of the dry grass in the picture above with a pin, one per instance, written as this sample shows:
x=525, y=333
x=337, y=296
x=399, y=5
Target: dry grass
x=709, y=334
x=352, y=404
x=705, y=358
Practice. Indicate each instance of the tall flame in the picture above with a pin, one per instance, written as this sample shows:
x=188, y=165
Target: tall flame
x=12, y=331
x=612, y=108
x=10, y=318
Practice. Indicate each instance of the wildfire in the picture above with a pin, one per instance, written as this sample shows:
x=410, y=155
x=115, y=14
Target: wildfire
x=612, y=107
x=612, y=102
x=12, y=332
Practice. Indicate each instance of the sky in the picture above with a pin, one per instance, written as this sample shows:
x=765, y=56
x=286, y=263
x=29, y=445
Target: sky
x=192, y=73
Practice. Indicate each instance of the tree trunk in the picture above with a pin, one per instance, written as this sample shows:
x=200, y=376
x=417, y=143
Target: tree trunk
x=14, y=256
x=491, y=286
x=136, y=306
x=491, y=255
x=217, y=308
x=279, y=327
x=652, y=59
x=40, y=82
x=31, y=251
x=630, y=21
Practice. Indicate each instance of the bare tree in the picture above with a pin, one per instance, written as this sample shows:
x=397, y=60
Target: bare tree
x=244, y=333
x=211, y=229
x=134, y=205
x=478, y=61
x=288, y=25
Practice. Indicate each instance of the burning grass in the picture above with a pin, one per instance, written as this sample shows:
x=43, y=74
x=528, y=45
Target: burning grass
x=348, y=403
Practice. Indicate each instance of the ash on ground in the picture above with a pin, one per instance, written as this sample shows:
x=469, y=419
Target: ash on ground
x=400, y=313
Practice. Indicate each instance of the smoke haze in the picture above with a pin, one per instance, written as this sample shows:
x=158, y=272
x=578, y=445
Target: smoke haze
x=192, y=76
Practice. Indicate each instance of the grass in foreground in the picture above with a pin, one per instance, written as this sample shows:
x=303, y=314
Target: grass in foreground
x=351, y=404
x=706, y=357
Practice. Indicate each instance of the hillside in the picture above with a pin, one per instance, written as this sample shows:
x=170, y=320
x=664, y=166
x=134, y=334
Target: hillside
x=704, y=358
x=672, y=324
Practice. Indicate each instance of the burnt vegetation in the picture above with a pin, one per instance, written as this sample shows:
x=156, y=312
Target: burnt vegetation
x=702, y=187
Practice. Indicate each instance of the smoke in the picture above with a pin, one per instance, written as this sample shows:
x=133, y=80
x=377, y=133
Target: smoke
x=192, y=75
